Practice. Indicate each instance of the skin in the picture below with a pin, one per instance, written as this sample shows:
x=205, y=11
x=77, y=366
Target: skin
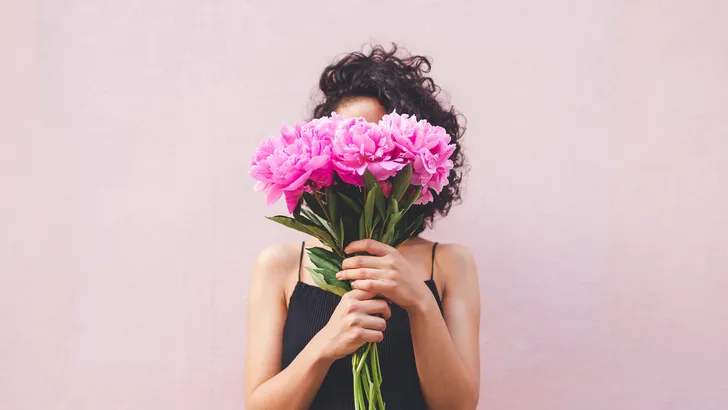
x=445, y=345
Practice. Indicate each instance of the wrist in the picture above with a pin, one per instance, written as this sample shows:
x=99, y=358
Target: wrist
x=320, y=352
x=423, y=305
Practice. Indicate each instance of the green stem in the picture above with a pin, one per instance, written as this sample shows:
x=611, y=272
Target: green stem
x=356, y=382
x=377, y=376
x=321, y=204
x=370, y=389
x=328, y=218
x=363, y=358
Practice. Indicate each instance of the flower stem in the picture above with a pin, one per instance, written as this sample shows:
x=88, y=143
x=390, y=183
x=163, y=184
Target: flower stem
x=363, y=358
x=377, y=371
x=318, y=199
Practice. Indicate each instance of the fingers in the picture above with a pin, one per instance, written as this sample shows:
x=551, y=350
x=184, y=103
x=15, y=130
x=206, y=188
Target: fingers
x=378, y=287
x=370, y=246
x=368, y=335
x=358, y=294
x=376, y=307
x=360, y=273
x=364, y=262
x=371, y=322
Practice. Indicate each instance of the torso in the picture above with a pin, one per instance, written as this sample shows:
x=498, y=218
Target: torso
x=417, y=251
x=309, y=309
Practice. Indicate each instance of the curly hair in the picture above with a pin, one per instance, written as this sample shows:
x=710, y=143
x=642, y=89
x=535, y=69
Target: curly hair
x=401, y=84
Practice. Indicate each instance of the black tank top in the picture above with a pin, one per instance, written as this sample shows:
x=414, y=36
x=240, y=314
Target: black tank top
x=309, y=310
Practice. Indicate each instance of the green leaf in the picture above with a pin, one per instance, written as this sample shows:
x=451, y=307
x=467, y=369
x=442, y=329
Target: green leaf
x=333, y=281
x=353, y=204
x=342, y=233
x=313, y=204
x=297, y=211
x=369, y=179
x=369, y=211
x=390, y=228
x=362, y=227
x=299, y=226
x=375, y=223
x=324, y=263
x=401, y=182
x=392, y=205
x=407, y=233
x=380, y=200
x=326, y=254
x=331, y=204
x=328, y=264
x=318, y=227
x=320, y=221
x=320, y=281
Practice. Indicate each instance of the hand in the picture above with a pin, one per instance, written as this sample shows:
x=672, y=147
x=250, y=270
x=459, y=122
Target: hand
x=386, y=273
x=354, y=323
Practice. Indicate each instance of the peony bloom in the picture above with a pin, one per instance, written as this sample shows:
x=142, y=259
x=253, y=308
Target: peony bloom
x=284, y=164
x=426, y=146
x=360, y=145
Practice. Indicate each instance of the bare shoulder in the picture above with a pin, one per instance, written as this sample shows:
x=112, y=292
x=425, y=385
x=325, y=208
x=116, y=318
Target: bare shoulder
x=277, y=261
x=456, y=265
x=453, y=256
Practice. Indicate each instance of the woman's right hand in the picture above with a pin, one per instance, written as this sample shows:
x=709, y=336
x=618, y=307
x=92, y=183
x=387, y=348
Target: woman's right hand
x=354, y=323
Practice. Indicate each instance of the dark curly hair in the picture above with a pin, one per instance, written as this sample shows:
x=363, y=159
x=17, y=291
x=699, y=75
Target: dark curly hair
x=401, y=84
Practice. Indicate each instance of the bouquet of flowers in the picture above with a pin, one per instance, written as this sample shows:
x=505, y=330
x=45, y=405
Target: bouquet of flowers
x=349, y=179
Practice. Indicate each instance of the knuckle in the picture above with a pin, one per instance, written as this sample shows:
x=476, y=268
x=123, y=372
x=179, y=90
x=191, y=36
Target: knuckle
x=351, y=308
x=356, y=333
x=352, y=321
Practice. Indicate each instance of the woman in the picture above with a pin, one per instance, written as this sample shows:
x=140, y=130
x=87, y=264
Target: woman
x=427, y=314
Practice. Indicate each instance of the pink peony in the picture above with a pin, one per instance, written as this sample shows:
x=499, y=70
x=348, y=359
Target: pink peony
x=426, y=146
x=285, y=163
x=360, y=145
x=425, y=196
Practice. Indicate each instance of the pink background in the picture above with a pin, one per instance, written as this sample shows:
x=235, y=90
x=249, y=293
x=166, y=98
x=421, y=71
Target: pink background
x=596, y=205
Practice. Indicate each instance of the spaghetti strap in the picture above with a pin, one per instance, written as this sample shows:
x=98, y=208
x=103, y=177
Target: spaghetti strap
x=300, y=259
x=432, y=270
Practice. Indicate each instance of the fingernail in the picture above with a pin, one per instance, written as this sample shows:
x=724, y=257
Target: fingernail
x=338, y=275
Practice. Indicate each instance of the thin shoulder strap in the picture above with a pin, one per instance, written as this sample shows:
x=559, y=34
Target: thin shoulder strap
x=432, y=270
x=300, y=259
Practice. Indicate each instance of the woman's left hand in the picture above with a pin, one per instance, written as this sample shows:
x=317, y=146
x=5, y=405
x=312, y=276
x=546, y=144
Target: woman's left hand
x=386, y=273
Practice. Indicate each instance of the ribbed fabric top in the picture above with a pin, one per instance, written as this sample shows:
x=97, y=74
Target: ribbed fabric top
x=311, y=307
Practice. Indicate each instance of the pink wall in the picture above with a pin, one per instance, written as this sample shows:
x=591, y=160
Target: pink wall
x=596, y=204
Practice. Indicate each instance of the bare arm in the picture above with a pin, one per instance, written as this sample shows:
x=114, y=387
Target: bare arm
x=358, y=319
x=447, y=350
x=266, y=386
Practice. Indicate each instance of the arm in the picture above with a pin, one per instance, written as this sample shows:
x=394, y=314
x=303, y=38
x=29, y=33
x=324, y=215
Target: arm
x=446, y=349
x=266, y=386
x=358, y=319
